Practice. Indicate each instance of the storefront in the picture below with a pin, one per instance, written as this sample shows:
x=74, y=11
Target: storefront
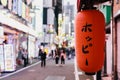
x=117, y=23
x=14, y=33
x=8, y=48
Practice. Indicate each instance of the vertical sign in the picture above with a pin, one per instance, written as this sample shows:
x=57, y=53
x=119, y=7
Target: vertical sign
x=10, y=5
x=90, y=40
x=23, y=10
x=15, y=6
x=9, y=57
x=20, y=7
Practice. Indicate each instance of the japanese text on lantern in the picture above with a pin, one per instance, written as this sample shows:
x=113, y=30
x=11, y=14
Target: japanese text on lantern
x=87, y=28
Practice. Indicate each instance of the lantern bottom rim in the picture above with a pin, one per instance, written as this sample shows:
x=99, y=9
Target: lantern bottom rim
x=88, y=73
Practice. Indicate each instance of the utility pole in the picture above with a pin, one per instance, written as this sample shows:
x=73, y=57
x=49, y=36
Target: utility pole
x=114, y=44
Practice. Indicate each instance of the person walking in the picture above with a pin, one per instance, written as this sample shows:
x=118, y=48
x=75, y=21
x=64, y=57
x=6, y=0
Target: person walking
x=25, y=57
x=62, y=57
x=52, y=54
x=56, y=58
x=19, y=58
x=43, y=58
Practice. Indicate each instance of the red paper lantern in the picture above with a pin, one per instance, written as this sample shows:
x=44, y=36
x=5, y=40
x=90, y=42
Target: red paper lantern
x=90, y=40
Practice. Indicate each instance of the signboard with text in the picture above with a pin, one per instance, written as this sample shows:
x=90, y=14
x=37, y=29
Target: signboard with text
x=9, y=57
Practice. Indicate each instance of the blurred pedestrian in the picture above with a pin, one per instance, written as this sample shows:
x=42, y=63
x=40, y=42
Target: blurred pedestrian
x=25, y=57
x=62, y=57
x=43, y=58
x=56, y=58
x=52, y=53
x=19, y=58
x=69, y=54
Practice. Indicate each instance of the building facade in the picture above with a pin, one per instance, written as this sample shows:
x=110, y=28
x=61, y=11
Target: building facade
x=116, y=15
x=16, y=31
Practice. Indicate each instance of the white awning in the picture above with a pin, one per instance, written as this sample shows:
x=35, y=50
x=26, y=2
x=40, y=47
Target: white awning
x=17, y=25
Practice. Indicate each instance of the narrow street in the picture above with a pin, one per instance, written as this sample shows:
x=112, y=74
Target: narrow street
x=88, y=28
x=51, y=70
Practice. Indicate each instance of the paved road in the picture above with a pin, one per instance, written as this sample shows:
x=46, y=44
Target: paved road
x=38, y=73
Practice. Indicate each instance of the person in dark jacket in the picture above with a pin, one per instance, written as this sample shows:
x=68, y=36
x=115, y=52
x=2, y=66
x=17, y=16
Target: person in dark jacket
x=43, y=59
x=56, y=58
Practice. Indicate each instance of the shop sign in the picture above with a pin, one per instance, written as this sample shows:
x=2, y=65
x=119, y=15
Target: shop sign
x=23, y=10
x=20, y=7
x=4, y=2
x=10, y=4
x=15, y=6
x=9, y=57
